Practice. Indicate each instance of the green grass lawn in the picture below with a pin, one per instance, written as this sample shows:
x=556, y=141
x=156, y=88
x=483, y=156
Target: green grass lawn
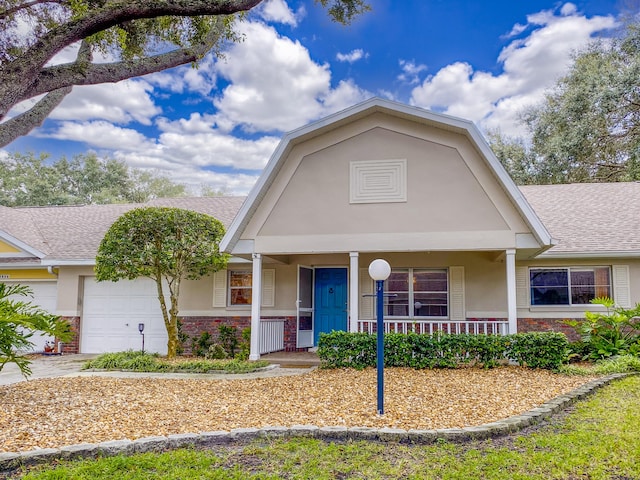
x=599, y=439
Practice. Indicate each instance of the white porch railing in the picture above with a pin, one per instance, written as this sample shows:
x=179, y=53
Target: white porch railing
x=475, y=327
x=271, y=335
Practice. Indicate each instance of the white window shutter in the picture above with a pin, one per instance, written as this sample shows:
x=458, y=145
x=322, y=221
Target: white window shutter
x=522, y=287
x=456, y=294
x=220, y=288
x=268, y=288
x=366, y=288
x=621, y=287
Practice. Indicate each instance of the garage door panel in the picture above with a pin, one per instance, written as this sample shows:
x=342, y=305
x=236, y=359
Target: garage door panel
x=110, y=317
x=45, y=296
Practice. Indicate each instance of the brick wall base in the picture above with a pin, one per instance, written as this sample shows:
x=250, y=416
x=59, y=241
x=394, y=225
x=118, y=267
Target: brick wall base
x=547, y=325
x=73, y=345
x=291, y=335
x=196, y=326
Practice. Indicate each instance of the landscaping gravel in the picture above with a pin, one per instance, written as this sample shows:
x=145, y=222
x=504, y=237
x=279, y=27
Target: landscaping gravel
x=51, y=413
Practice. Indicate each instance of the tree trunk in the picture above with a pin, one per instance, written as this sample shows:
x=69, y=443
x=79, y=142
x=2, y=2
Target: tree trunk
x=167, y=320
x=172, y=327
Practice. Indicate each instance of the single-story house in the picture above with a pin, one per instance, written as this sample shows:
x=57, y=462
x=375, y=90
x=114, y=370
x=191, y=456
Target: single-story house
x=469, y=250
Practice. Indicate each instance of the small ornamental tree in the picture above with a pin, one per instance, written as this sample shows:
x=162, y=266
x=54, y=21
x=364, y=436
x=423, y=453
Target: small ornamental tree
x=19, y=320
x=163, y=244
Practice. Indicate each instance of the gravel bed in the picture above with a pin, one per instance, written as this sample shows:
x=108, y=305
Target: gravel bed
x=51, y=413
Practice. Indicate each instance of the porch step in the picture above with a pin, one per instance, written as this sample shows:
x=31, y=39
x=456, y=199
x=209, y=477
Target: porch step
x=292, y=359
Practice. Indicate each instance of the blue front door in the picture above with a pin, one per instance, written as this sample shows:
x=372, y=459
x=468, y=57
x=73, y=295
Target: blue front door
x=330, y=300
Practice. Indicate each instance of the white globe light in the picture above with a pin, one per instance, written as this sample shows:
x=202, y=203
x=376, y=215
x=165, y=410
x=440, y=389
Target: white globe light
x=379, y=269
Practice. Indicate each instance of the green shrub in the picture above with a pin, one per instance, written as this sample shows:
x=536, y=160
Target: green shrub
x=616, y=332
x=216, y=352
x=607, y=366
x=228, y=339
x=182, y=339
x=245, y=345
x=200, y=345
x=345, y=349
x=146, y=362
x=129, y=360
x=538, y=349
x=358, y=350
x=578, y=351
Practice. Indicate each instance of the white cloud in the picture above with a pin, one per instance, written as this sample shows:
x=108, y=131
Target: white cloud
x=122, y=102
x=216, y=150
x=410, y=71
x=352, y=56
x=188, y=150
x=568, y=9
x=516, y=30
x=193, y=176
x=278, y=11
x=195, y=141
x=530, y=65
x=275, y=85
x=101, y=134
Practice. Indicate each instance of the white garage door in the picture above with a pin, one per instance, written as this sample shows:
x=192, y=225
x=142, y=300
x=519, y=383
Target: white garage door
x=45, y=296
x=111, y=312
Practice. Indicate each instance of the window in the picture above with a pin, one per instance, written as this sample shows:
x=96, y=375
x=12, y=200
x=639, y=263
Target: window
x=417, y=293
x=234, y=288
x=239, y=288
x=569, y=286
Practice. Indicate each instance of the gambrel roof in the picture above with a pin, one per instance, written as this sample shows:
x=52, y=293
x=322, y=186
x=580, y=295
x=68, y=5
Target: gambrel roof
x=368, y=108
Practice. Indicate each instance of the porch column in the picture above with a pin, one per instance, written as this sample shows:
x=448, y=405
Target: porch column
x=511, y=290
x=354, y=300
x=256, y=300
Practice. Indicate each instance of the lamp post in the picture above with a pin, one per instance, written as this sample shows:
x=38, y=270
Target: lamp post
x=141, y=330
x=379, y=270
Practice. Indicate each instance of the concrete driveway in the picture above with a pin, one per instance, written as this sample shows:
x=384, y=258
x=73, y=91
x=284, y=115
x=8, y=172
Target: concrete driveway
x=45, y=367
x=71, y=366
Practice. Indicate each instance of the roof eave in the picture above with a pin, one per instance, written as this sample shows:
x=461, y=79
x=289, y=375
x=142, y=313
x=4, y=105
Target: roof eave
x=591, y=254
x=7, y=237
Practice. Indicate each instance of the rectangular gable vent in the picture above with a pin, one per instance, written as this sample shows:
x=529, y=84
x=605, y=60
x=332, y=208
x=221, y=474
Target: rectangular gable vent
x=378, y=181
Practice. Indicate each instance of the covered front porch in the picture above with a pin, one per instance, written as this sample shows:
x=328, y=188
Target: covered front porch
x=384, y=180
x=450, y=292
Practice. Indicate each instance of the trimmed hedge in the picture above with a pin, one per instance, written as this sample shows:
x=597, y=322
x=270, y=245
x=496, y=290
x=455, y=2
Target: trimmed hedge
x=547, y=350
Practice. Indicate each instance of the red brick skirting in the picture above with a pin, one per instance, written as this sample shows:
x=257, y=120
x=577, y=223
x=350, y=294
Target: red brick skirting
x=547, y=325
x=196, y=326
x=73, y=345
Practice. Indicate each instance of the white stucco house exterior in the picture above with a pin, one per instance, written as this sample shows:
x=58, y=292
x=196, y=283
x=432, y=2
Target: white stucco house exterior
x=469, y=250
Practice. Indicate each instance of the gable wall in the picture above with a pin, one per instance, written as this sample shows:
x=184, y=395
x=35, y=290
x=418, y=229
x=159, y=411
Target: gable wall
x=452, y=198
x=6, y=248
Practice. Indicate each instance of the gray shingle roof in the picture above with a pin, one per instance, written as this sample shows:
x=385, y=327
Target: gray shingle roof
x=592, y=218
x=75, y=232
x=20, y=225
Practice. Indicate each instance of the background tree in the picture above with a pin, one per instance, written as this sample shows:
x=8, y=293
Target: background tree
x=166, y=245
x=26, y=180
x=146, y=185
x=588, y=127
x=19, y=320
x=143, y=36
x=515, y=157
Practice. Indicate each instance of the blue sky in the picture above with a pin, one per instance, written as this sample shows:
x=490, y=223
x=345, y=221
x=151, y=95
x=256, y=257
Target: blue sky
x=218, y=125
